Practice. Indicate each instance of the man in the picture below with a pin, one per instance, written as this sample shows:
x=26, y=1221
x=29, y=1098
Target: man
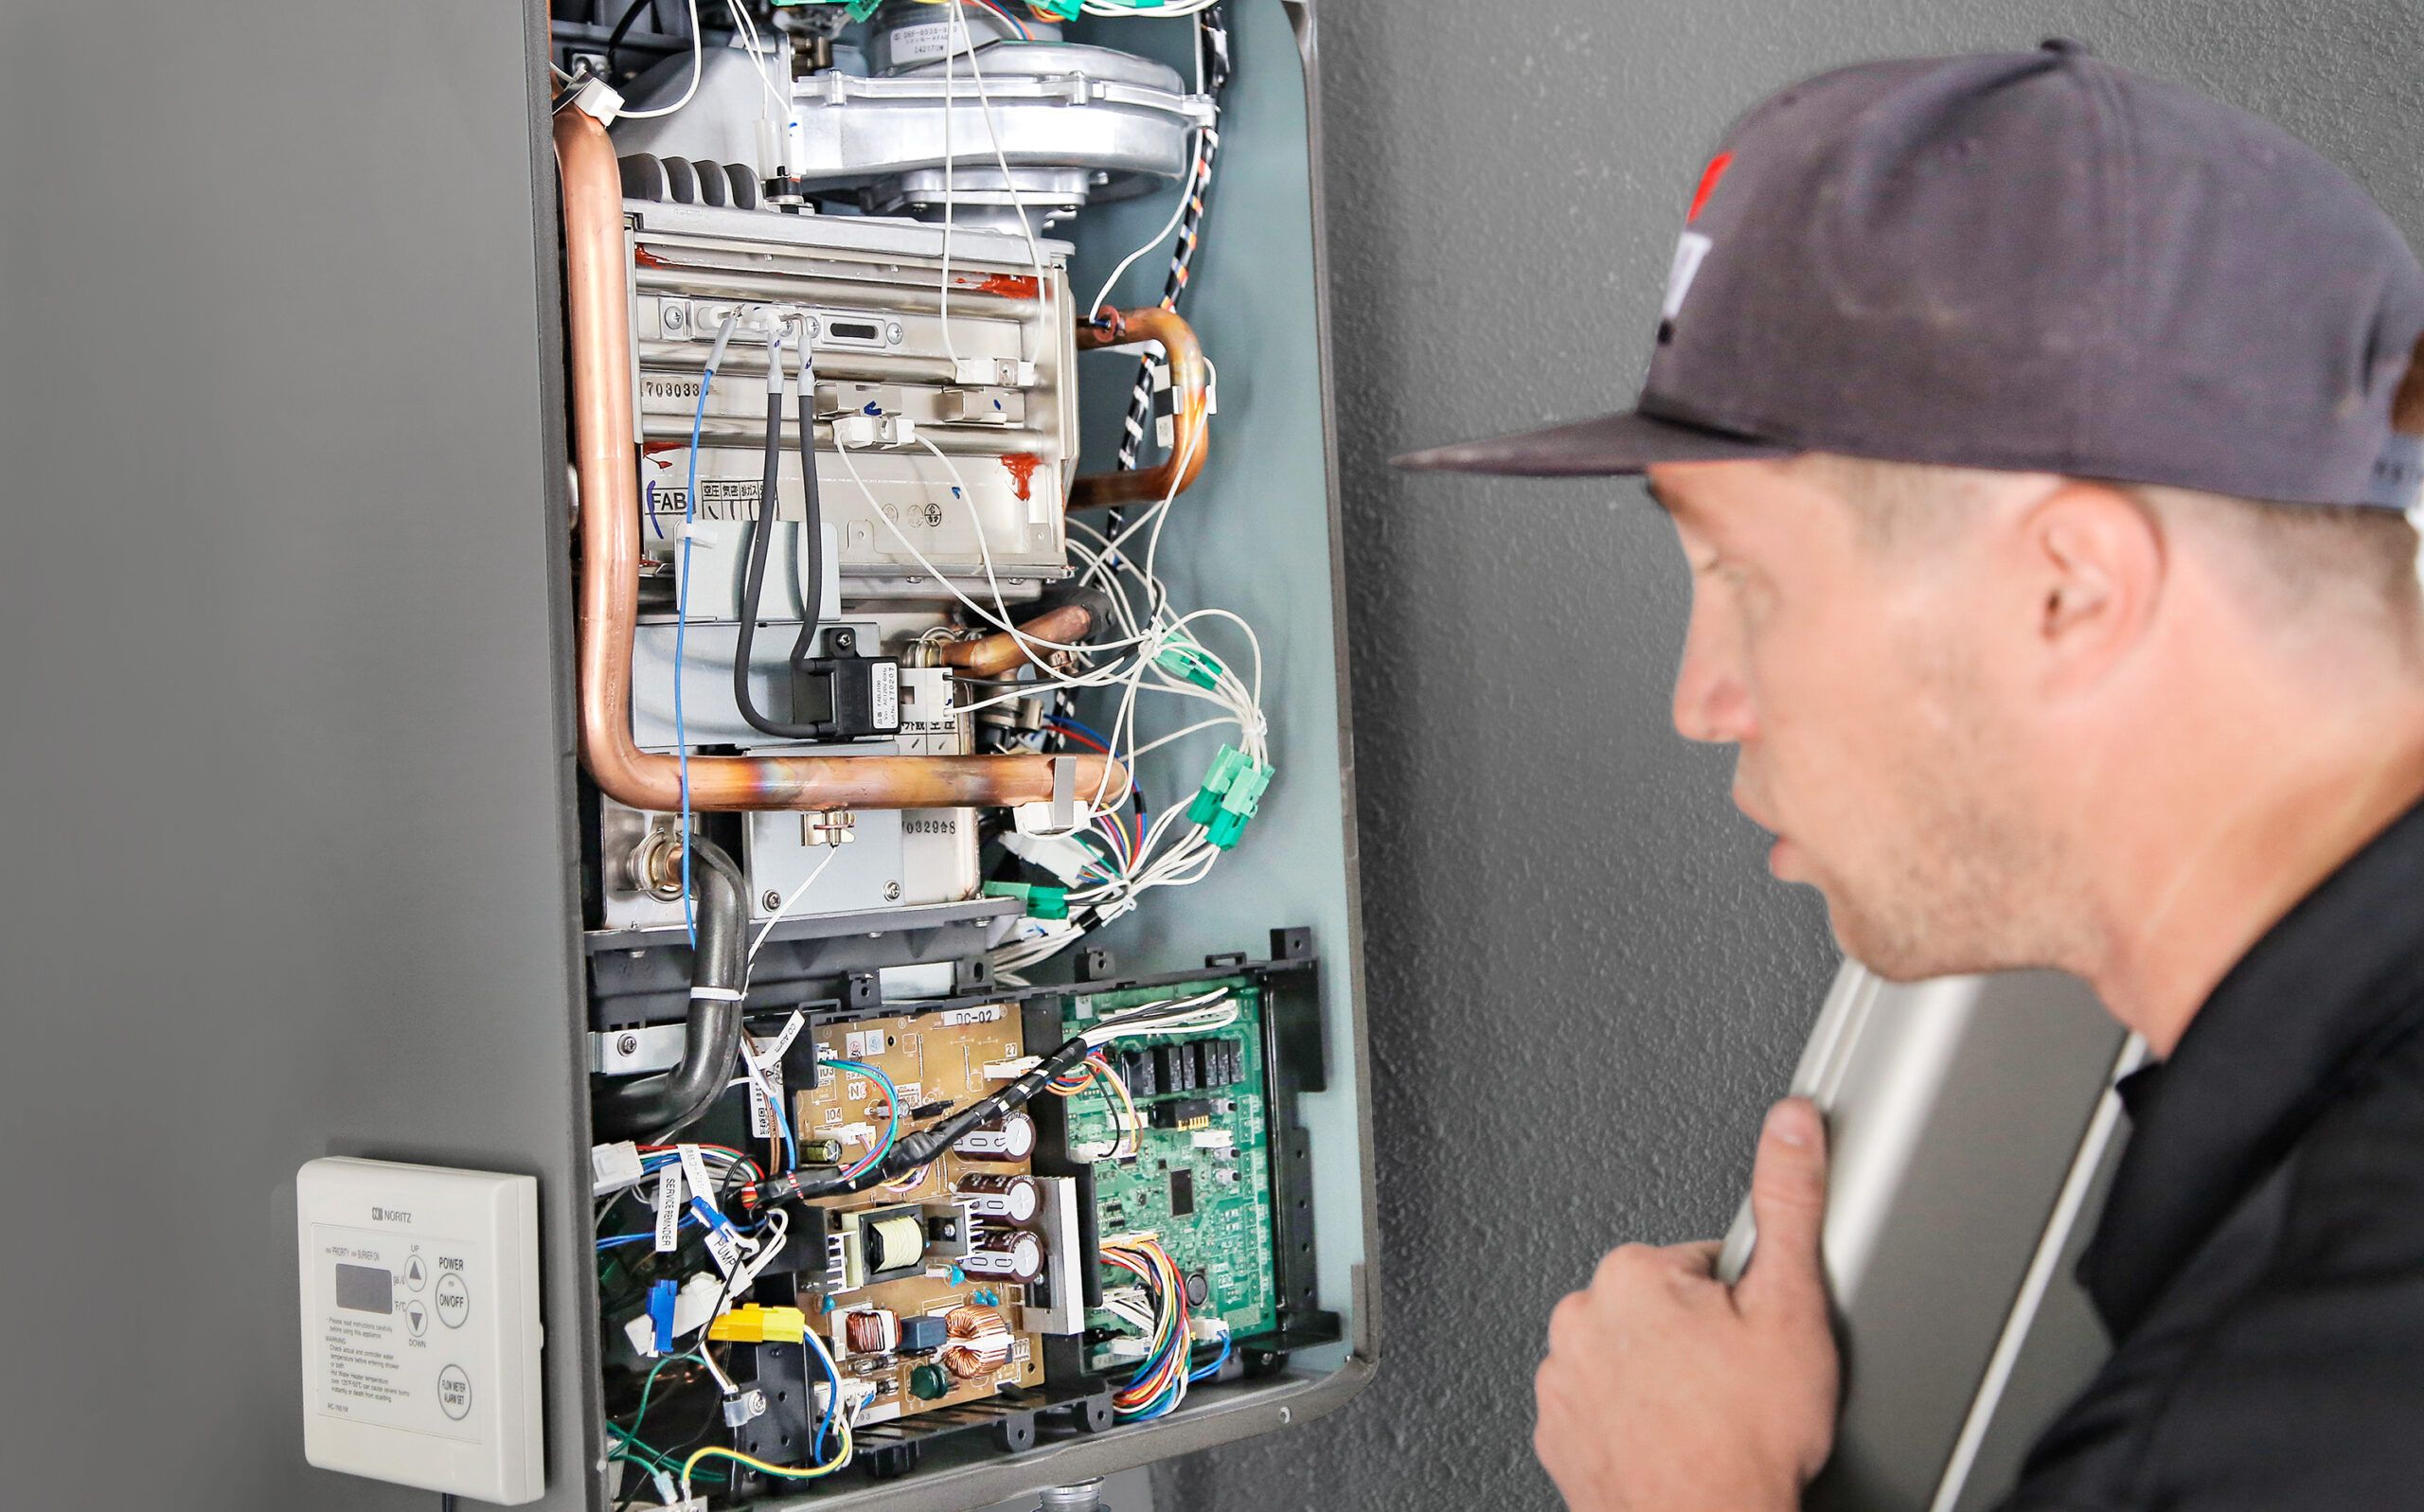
x=2028, y=427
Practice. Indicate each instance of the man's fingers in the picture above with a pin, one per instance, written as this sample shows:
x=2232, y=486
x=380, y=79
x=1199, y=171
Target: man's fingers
x=1699, y=1256
x=1789, y=1202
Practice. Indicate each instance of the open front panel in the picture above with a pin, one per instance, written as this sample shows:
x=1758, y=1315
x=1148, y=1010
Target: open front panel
x=961, y=717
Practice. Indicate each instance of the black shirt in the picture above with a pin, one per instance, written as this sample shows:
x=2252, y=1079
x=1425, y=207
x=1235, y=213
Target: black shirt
x=2259, y=1265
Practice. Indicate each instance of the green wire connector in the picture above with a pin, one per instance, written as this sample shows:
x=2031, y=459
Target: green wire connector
x=1059, y=9
x=1184, y=659
x=1232, y=792
x=1042, y=902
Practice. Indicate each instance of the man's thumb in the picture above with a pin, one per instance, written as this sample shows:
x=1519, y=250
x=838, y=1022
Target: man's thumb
x=1789, y=1202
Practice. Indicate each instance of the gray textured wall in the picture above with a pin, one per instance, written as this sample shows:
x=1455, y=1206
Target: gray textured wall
x=1583, y=986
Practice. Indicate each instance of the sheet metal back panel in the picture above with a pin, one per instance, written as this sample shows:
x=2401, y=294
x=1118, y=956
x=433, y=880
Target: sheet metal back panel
x=281, y=325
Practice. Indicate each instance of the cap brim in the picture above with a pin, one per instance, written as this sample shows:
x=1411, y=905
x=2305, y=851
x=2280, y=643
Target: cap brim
x=1611, y=446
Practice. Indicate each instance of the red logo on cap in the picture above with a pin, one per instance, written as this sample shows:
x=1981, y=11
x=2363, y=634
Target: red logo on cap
x=1709, y=175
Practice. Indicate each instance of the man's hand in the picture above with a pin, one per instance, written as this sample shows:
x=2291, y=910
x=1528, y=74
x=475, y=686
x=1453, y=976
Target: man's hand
x=1666, y=1391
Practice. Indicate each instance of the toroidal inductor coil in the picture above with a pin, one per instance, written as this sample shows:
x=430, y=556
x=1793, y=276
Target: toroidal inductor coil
x=872, y=1331
x=895, y=1243
x=980, y=1342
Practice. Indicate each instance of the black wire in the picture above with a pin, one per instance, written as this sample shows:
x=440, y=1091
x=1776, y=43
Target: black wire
x=622, y=29
x=752, y=583
x=811, y=535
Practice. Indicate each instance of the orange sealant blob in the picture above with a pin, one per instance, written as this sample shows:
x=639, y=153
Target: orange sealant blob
x=1007, y=286
x=1022, y=466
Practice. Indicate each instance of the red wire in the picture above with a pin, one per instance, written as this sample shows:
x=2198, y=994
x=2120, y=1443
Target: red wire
x=1084, y=741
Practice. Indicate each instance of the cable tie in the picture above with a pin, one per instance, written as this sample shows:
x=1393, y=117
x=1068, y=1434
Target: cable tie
x=716, y=994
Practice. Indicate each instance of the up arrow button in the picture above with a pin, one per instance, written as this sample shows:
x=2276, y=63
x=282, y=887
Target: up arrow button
x=416, y=1274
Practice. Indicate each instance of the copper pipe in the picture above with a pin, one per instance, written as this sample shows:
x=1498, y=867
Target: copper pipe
x=992, y=655
x=1192, y=437
x=606, y=462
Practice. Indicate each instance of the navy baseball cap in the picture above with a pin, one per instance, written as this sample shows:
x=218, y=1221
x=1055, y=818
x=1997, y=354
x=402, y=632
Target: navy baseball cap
x=2032, y=261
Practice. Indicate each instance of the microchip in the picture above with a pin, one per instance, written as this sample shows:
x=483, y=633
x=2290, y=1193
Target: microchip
x=1182, y=1193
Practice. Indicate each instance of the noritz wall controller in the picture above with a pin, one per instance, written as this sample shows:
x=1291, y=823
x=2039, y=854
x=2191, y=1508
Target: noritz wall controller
x=421, y=1326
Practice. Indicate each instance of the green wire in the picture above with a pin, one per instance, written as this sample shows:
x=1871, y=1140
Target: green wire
x=654, y=1458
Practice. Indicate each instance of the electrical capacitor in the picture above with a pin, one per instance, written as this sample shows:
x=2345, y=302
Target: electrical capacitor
x=1006, y=1252
x=1001, y=1195
x=1013, y=1139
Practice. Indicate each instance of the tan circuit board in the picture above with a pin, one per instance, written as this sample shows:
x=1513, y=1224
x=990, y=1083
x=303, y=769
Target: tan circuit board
x=937, y=1058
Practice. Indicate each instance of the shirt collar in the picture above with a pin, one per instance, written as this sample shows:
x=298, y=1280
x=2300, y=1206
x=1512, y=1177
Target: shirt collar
x=2322, y=993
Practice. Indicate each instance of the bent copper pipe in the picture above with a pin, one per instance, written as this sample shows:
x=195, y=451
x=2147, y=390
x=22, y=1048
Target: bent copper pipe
x=1192, y=437
x=606, y=464
x=992, y=655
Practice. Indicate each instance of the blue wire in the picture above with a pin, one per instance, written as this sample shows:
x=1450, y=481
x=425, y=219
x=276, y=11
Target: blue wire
x=681, y=634
x=1086, y=730
x=1217, y=1361
x=833, y=1400
x=790, y=1147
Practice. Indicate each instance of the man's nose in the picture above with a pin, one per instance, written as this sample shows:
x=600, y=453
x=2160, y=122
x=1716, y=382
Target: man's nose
x=1712, y=704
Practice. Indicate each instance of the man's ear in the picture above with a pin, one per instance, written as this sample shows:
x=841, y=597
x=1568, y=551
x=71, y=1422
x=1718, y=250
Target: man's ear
x=2093, y=560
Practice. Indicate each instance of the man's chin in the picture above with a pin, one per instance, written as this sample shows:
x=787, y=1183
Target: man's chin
x=1895, y=955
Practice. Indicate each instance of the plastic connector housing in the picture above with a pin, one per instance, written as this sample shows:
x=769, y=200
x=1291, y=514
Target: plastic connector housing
x=1231, y=795
x=1042, y=901
x=755, y=1324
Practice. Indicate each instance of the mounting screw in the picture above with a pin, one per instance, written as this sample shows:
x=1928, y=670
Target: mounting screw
x=627, y=1044
x=892, y=333
x=892, y=891
x=773, y=900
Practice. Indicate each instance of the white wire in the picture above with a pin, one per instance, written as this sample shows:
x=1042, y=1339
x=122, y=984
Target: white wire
x=1178, y=212
x=1164, y=12
x=776, y=918
x=698, y=66
x=985, y=104
x=756, y=49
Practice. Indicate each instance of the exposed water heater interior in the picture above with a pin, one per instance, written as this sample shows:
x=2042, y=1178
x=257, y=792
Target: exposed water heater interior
x=976, y=1068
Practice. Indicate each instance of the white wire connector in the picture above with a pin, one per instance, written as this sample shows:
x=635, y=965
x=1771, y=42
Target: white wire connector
x=613, y=1168
x=861, y=430
x=600, y=99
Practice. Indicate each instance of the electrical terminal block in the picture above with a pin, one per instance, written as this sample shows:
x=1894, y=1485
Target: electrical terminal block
x=693, y=1306
x=613, y=1168
x=1181, y=658
x=1231, y=795
x=1042, y=901
x=1061, y=855
x=755, y=1324
x=860, y=430
x=994, y=372
x=1010, y=1070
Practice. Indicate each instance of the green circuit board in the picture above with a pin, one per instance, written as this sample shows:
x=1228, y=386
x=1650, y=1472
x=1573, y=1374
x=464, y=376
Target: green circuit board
x=1204, y=1192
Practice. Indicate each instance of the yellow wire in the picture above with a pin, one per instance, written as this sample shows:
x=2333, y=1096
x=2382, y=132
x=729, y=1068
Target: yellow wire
x=842, y=1423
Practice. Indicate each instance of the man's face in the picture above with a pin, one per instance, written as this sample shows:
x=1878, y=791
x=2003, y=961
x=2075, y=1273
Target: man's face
x=1853, y=679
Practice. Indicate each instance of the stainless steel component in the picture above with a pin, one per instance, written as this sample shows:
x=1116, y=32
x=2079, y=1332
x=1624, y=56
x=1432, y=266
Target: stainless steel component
x=1075, y=124
x=1956, y=1112
x=635, y=1052
x=1058, y=1304
x=873, y=290
x=1085, y=1496
x=828, y=828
